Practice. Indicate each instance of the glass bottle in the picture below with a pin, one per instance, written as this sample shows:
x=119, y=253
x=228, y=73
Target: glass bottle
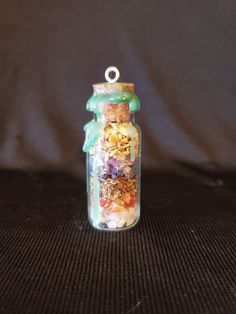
x=113, y=147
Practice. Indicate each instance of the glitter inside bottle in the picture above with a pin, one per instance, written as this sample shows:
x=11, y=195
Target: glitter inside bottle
x=112, y=144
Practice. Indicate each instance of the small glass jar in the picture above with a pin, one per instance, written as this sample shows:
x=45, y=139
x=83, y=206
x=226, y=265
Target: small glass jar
x=113, y=147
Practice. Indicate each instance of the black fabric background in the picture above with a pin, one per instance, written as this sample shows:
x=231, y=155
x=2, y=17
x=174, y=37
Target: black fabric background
x=180, y=54
x=179, y=259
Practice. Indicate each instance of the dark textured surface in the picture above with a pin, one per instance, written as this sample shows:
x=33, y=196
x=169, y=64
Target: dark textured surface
x=179, y=259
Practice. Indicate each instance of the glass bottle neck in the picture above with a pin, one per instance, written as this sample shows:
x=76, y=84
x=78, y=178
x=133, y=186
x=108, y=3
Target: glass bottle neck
x=114, y=112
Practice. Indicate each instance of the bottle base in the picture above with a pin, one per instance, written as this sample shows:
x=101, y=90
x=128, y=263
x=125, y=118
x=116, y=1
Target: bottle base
x=104, y=227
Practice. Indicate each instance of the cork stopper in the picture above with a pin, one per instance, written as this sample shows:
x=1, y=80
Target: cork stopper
x=112, y=92
x=112, y=86
x=116, y=112
x=109, y=88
